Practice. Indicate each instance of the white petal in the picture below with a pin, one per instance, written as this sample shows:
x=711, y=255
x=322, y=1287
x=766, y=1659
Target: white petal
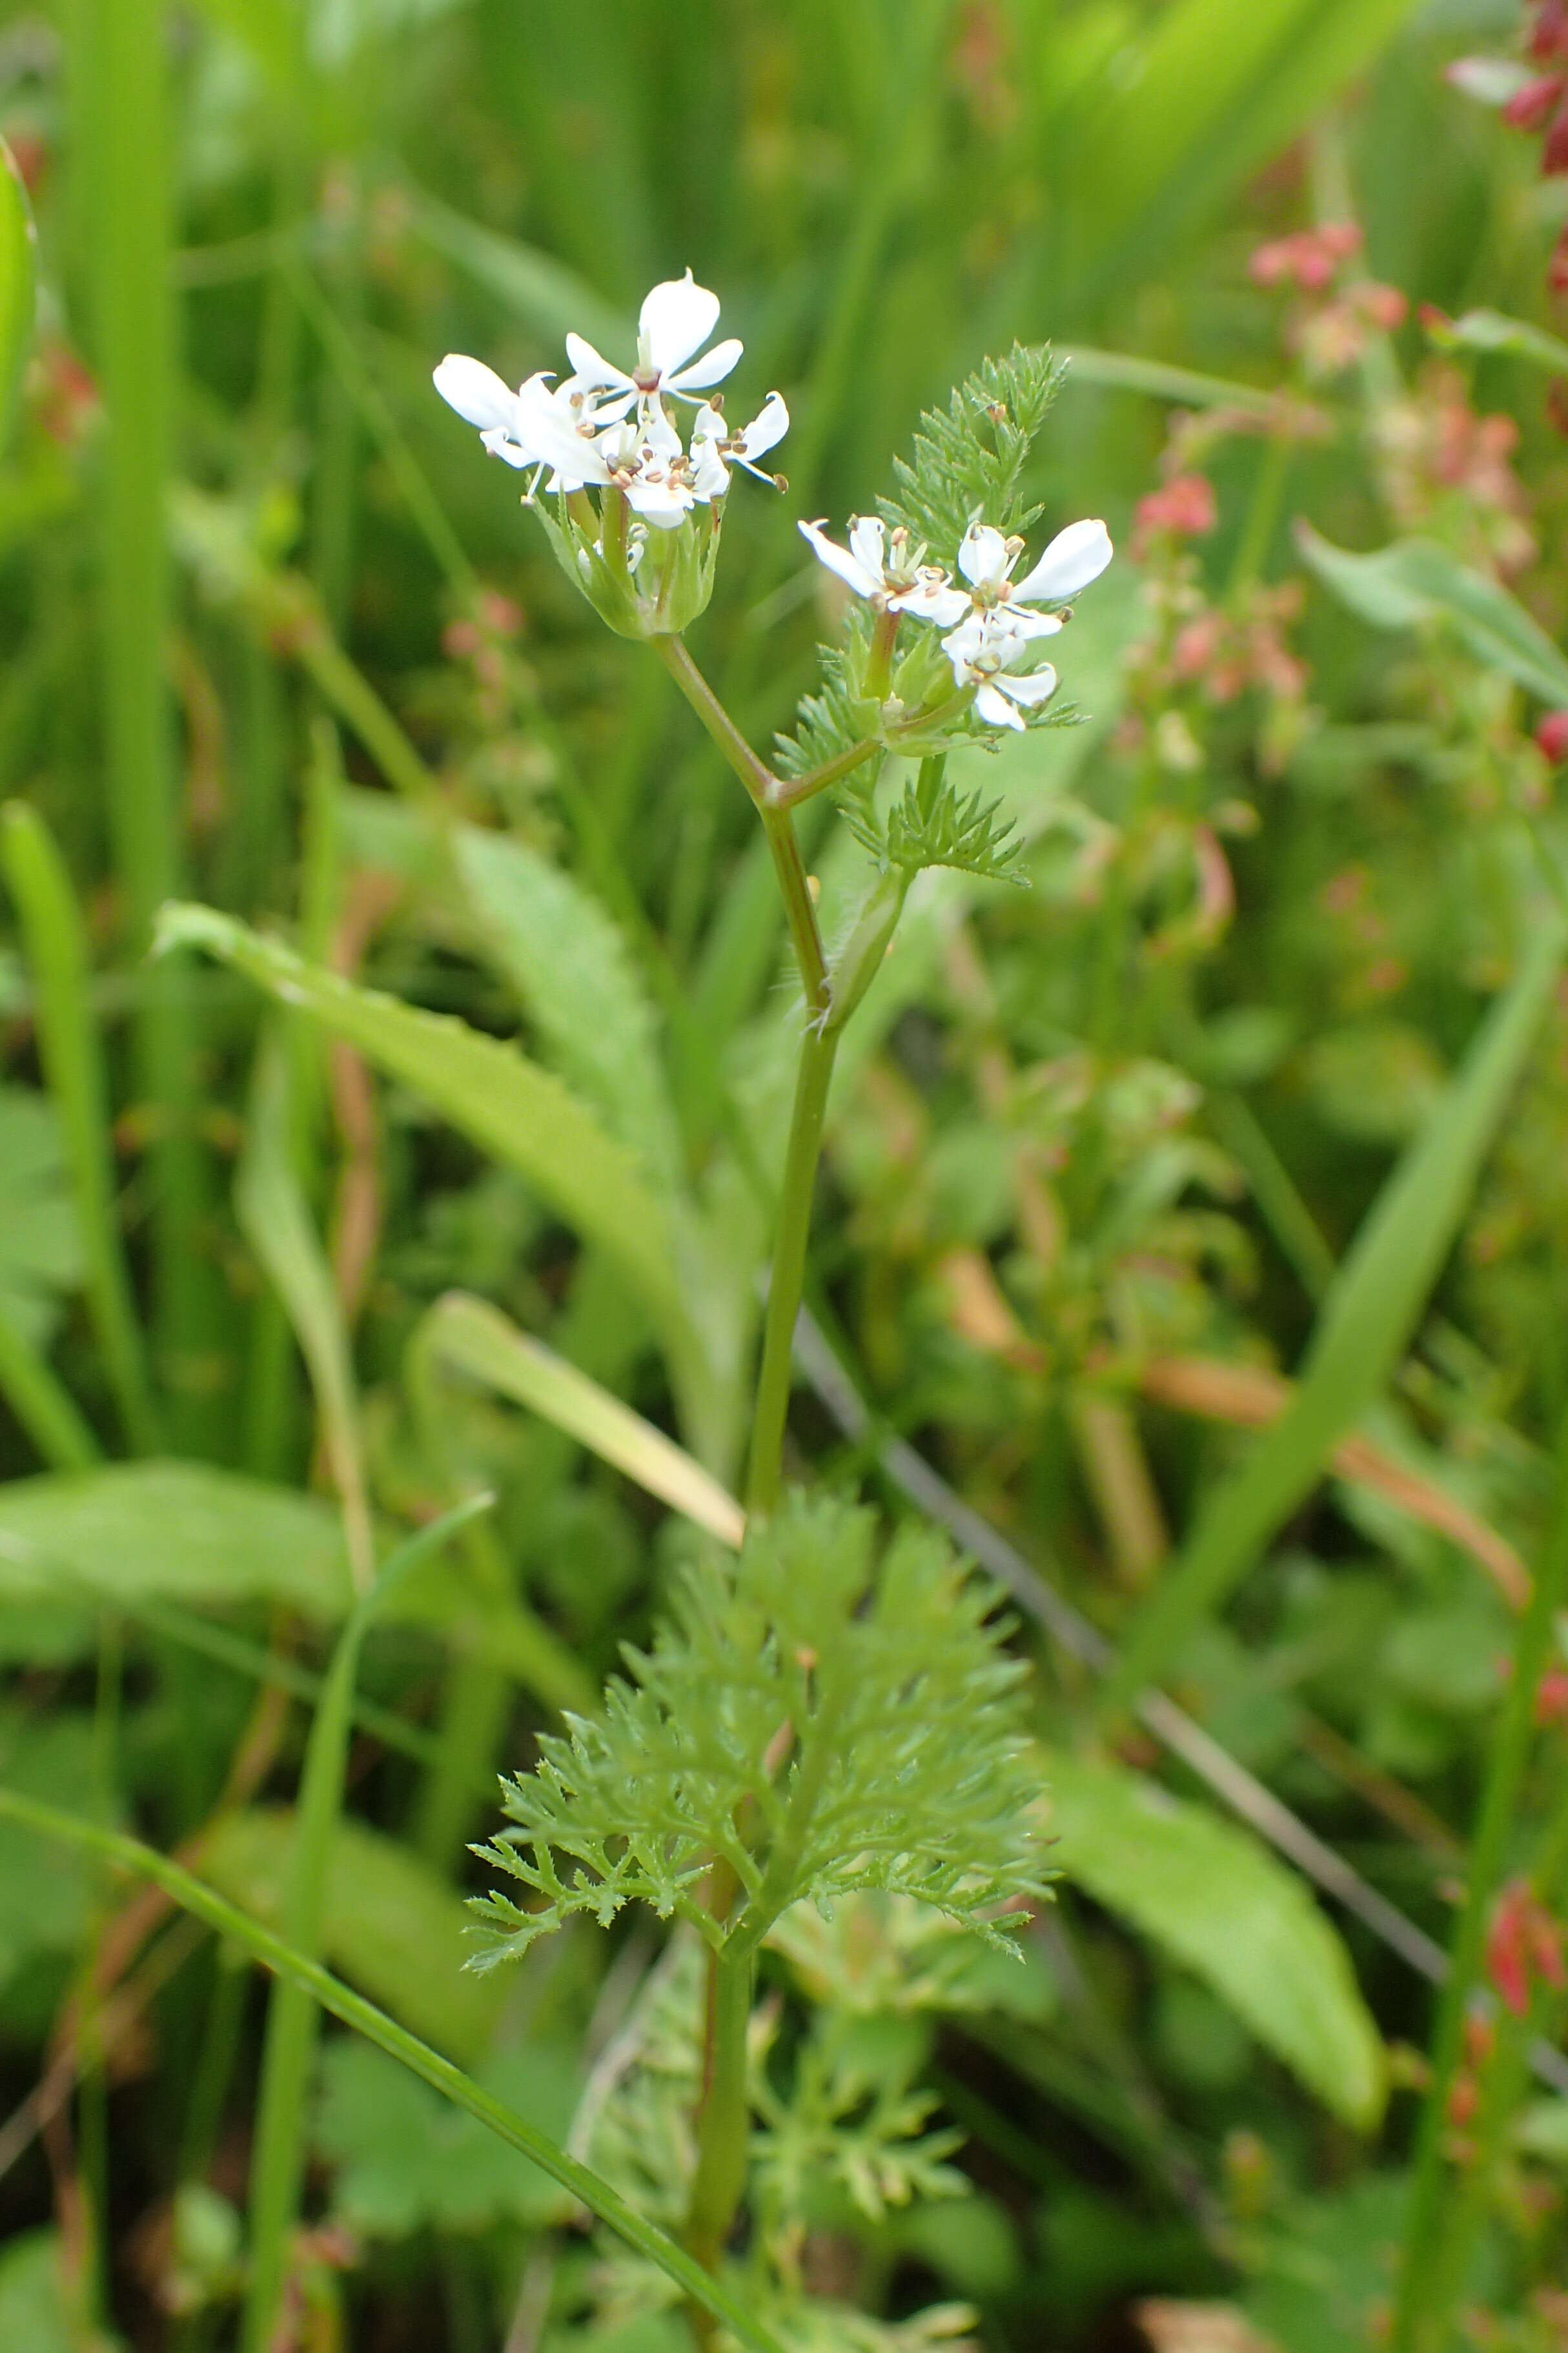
x=1035, y=687
x=546, y=435
x=477, y=393
x=1074, y=558
x=975, y=636
x=1023, y=624
x=838, y=559
x=676, y=318
x=664, y=504
x=711, y=368
x=708, y=424
x=659, y=434
x=710, y=475
x=933, y=601
x=593, y=372
x=868, y=544
x=767, y=429
x=983, y=558
x=499, y=444
x=995, y=709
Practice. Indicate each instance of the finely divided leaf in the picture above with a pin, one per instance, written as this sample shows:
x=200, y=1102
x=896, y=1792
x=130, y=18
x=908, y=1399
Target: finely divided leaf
x=818, y=1722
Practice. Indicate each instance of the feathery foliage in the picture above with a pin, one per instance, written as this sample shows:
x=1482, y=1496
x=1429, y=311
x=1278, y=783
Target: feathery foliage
x=815, y=1723
x=970, y=457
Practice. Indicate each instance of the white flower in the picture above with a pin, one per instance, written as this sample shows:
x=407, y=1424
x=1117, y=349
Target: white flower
x=1074, y=557
x=714, y=449
x=533, y=425
x=891, y=578
x=982, y=651
x=676, y=320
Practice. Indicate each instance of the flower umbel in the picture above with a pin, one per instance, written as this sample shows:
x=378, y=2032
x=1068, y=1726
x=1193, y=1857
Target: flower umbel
x=606, y=431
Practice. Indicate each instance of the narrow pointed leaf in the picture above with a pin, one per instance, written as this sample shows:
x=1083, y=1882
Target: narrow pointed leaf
x=502, y=1101
x=1216, y=1901
x=1368, y=1317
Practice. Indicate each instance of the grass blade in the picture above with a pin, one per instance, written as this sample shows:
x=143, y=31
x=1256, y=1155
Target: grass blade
x=469, y=1337
x=72, y=1057
x=1366, y=1322
x=277, y=2159
x=297, y=1968
x=19, y=244
x=121, y=67
x=273, y=1216
x=43, y=1405
x=1218, y=88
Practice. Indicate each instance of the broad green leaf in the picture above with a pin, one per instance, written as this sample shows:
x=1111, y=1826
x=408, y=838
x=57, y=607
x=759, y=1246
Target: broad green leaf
x=242, y=1928
x=568, y=962
x=18, y=269
x=550, y=300
x=170, y=1531
x=1215, y=1899
x=1414, y=581
x=389, y=1924
x=1325, y=2269
x=127, y=1533
x=470, y=1338
x=35, y=2311
x=406, y=2160
x=505, y=1103
x=1216, y=88
x=1368, y=1316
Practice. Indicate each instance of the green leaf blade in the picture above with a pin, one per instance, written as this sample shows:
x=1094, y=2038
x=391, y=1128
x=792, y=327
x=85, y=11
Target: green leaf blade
x=1219, y=1903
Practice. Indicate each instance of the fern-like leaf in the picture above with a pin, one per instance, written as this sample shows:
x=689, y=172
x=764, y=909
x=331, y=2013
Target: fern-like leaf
x=969, y=457
x=817, y=1724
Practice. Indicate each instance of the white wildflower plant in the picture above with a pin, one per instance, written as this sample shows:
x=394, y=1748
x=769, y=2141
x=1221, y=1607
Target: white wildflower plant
x=638, y=509
x=830, y=1720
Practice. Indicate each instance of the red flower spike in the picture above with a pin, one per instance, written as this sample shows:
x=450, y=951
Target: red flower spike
x=1524, y=1944
x=1528, y=108
x=1554, y=154
x=1552, y=1690
x=1551, y=737
x=1549, y=34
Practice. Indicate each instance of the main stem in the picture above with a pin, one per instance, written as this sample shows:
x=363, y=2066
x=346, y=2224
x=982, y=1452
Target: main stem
x=722, y=2123
x=766, y=1470
x=720, y=2181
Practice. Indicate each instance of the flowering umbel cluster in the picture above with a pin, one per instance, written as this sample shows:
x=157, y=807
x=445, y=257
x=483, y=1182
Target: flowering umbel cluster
x=638, y=509
x=991, y=623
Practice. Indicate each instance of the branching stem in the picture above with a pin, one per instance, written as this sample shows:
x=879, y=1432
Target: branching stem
x=788, y=792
